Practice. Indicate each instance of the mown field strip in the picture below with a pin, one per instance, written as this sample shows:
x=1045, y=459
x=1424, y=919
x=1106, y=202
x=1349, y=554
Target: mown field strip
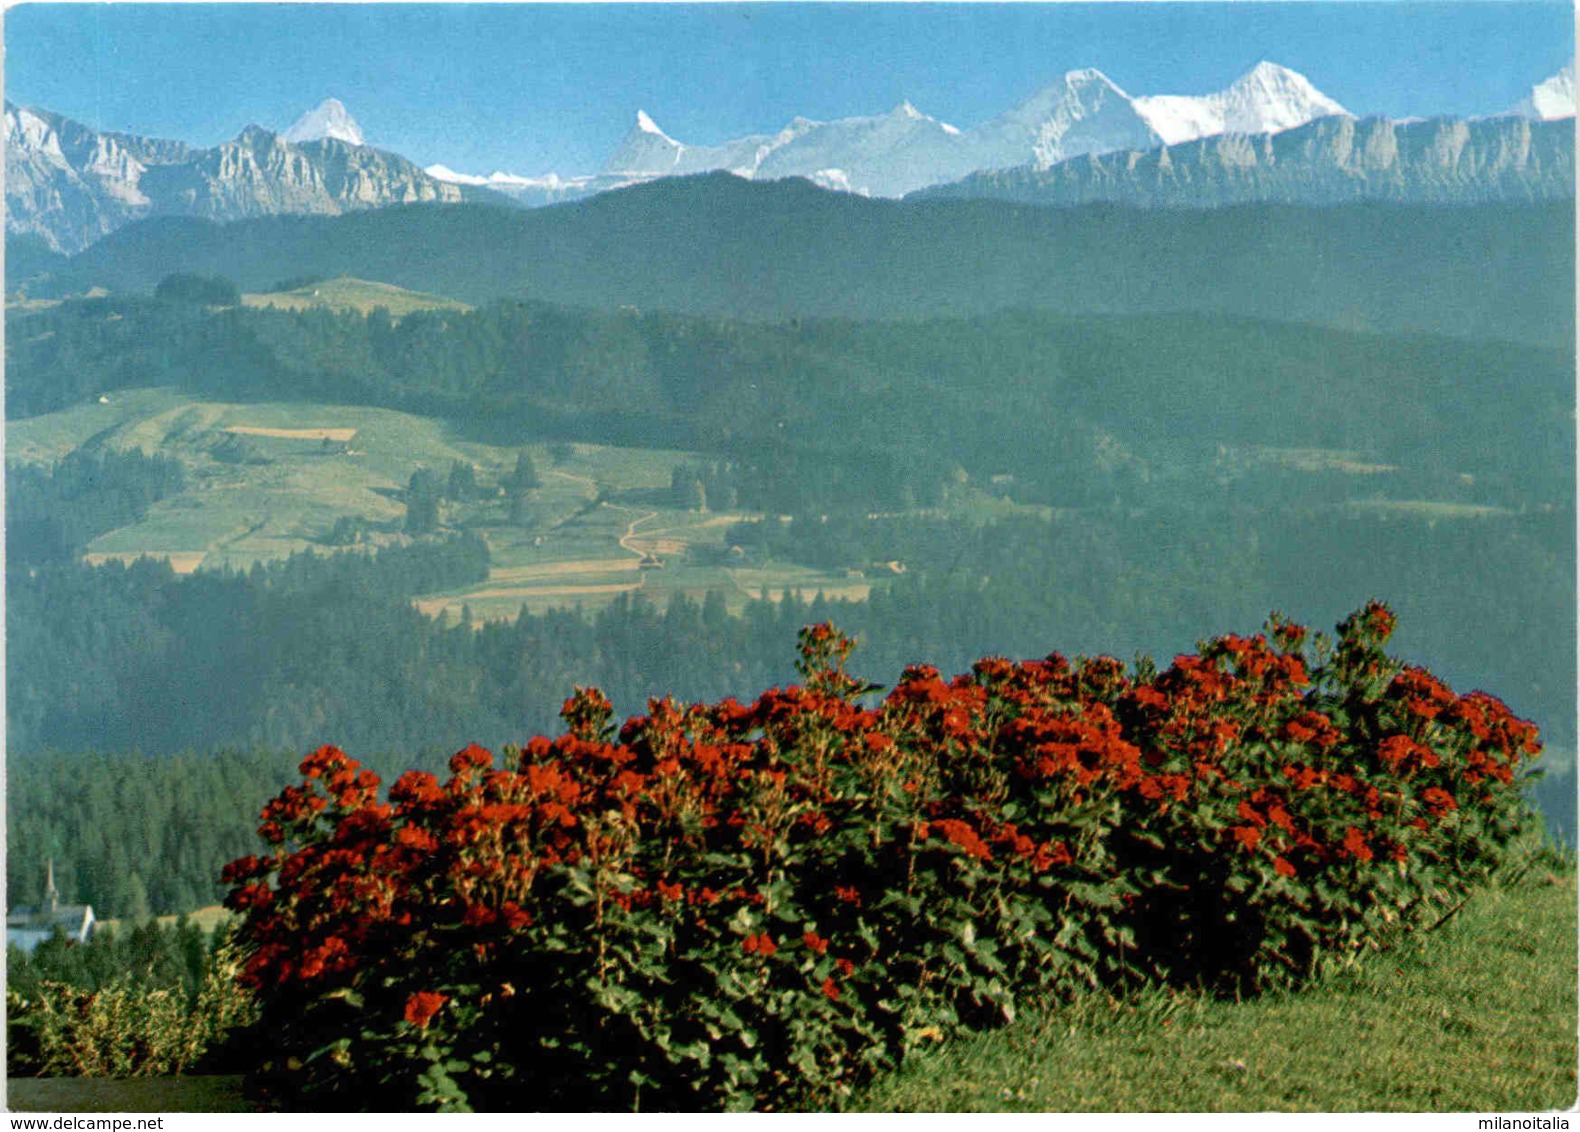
x=341, y=435
x=579, y=567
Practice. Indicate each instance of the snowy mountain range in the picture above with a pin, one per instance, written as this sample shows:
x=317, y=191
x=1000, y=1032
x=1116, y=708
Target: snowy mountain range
x=892, y=154
x=69, y=184
x=1085, y=113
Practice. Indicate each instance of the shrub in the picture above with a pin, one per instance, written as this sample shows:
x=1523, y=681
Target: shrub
x=738, y=905
x=126, y=1028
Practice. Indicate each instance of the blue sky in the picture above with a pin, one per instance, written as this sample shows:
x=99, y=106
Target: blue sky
x=533, y=89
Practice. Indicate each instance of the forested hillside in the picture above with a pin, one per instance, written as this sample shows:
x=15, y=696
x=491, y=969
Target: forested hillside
x=782, y=249
x=832, y=414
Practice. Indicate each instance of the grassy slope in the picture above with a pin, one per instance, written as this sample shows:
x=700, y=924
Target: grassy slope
x=348, y=294
x=236, y=514
x=1479, y=1015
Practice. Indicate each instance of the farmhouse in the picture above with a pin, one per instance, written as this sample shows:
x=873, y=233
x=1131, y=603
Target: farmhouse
x=28, y=925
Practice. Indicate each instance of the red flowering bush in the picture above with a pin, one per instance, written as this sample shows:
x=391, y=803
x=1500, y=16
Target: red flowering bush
x=733, y=905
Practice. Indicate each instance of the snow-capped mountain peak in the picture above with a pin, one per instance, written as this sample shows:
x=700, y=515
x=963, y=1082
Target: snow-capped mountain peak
x=1267, y=99
x=646, y=150
x=1088, y=76
x=1552, y=97
x=329, y=119
x=1083, y=112
x=646, y=125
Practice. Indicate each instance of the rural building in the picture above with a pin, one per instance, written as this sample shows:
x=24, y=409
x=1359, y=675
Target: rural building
x=29, y=925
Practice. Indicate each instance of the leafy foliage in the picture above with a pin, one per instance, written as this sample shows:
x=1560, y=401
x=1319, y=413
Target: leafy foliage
x=149, y=1002
x=739, y=905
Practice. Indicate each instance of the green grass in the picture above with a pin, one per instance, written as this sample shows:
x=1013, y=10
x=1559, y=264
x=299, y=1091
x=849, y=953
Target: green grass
x=1479, y=1015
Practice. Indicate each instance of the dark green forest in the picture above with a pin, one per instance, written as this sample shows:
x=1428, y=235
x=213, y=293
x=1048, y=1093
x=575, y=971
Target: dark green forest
x=53, y=512
x=776, y=250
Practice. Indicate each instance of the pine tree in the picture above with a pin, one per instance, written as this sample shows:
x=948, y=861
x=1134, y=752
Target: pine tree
x=463, y=483
x=422, y=502
x=525, y=477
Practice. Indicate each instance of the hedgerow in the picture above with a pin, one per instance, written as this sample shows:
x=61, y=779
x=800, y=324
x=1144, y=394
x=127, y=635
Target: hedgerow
x=751, y=905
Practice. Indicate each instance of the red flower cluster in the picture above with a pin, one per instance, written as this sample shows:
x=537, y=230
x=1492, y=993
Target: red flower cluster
x=1016, y=794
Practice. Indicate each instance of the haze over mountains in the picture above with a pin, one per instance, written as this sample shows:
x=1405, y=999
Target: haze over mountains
x=1082, y=138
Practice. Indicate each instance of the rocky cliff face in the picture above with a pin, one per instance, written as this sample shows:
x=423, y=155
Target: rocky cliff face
x=1329, y=161
x=68, y=184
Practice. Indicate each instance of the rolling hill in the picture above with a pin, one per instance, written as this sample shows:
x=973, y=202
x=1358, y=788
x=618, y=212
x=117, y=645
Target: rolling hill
x=715, y=244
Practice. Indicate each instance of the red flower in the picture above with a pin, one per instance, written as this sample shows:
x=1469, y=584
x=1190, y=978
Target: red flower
x=815, y=942
x=1282, y=867
x=966, y=838
x=243, y=868
x=846, y=967
x=1149, y=697
x=669, y=891
x=1247, y=835
x=472, y=756
x=847, y=893
x=759, y=945
x=422, y=1006
x=414, y=837
x=1355, y=844
x=831, y=990
x=1438, y=799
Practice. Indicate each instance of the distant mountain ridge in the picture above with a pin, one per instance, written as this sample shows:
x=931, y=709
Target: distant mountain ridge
x=1328, y=161
x=69, y=185
x=889, y=155
x=719, y=244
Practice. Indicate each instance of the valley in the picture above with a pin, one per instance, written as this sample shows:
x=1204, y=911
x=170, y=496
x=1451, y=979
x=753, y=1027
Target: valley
x=599, y=514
